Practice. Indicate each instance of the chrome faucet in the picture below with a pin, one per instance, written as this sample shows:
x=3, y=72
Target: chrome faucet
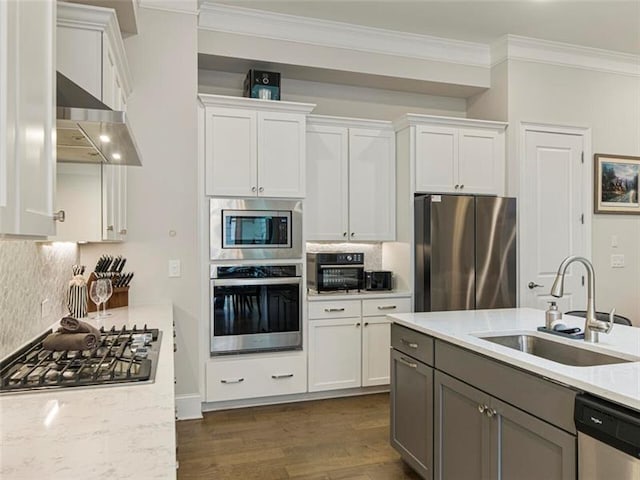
x=592, y=326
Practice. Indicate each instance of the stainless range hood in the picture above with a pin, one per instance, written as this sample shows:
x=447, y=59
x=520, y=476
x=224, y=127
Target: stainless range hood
x=90, y=132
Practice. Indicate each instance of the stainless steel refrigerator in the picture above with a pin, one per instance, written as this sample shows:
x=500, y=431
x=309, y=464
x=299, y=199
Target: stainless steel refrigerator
x=465, y=252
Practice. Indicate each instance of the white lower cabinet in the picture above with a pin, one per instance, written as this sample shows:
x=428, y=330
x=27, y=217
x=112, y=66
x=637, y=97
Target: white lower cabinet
x=353, y=351
x=261, y=375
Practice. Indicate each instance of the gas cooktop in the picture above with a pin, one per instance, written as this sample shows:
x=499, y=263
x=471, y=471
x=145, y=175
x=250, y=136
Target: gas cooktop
x=121, y=356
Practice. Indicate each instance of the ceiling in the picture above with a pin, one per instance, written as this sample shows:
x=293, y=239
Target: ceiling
x=610, y=25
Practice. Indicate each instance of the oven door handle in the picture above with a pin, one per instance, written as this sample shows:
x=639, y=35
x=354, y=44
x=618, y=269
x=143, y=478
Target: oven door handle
x=238, y=282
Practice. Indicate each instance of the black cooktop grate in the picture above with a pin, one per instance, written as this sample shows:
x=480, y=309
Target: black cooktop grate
x=119, y=357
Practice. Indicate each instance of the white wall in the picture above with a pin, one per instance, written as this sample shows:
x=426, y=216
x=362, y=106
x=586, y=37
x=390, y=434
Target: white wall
x=341, y=100
x=609, y=104
x=162, y=193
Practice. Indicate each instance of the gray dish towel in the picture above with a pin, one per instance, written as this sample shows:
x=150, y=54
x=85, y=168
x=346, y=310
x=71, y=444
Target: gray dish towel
x=73, y=325
x=70, y=341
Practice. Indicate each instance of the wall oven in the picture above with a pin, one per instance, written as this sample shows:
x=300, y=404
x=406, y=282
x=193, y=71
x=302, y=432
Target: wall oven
x=255, y=308
x=255, y=229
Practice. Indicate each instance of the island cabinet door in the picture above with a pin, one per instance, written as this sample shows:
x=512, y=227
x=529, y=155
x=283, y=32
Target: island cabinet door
x=412, y=412
x=463, y=447
x=528, y=448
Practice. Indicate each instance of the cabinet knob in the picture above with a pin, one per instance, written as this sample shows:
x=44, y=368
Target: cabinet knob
x=253, y=189
x=482, y=408
x=261, y=189
x=353, y=234
x=461, y=186
x=358, y=325
x=344, y=234
x=110, y=228
x=59, y=216
x=123, y=231
x=366, y=324
x=490, y=412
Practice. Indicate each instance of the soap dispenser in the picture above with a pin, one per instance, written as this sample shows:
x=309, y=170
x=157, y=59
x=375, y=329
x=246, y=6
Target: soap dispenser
x=551, y=315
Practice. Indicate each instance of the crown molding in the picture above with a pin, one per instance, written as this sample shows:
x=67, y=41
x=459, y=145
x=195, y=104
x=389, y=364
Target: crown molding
x=277, y=26
x=104, y=20
x=411, y=119
x=514, y=47
x=210, y=100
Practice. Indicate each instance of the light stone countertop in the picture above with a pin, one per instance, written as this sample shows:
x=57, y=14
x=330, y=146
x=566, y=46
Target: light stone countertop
x=115, y=432
x=618, y=382
x=363, y=295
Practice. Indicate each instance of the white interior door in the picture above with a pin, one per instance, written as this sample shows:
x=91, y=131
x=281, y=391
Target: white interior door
x=554, y=187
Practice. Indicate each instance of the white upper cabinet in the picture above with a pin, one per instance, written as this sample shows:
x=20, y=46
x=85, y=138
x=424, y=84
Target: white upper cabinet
x=27, y=118
x=350, y=180
x=254, y=148
x=455, y=155
x=90, y=52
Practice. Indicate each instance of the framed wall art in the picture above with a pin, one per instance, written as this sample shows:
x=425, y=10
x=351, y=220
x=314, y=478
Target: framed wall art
x=616, y=184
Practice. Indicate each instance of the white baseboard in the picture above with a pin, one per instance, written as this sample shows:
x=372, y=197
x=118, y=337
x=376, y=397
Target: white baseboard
x=300, y=397
x=188, y=407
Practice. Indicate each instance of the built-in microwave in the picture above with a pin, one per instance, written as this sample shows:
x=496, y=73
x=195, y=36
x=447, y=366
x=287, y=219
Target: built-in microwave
x=255, y=229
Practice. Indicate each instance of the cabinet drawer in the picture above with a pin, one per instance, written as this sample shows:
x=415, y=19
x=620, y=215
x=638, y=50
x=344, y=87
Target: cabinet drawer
x=338, y=309
x=415, y=344
x=255, y=377
x=384, y=306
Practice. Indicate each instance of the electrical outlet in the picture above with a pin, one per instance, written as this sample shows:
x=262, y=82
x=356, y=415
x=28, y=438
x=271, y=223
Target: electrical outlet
x=617, y=261
x=175, y=269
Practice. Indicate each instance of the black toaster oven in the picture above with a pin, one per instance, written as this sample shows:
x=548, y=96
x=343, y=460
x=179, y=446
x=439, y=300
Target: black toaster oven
x=328, y=272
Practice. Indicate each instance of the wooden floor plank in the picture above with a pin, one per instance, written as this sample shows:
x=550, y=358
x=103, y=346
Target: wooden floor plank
x=336, y=439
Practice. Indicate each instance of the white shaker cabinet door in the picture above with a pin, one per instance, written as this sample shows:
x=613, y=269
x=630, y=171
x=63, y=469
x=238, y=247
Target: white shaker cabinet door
x=281, y=150
x=27, y=118
x=479, y=162
x=376, y=342
x=231, y=153
x=436, y=159
x=334, y=354
x=371, y=185
x=326, y=212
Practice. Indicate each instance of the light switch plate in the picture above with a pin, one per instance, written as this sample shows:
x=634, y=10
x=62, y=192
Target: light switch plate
x=175, y=269
x=617, y=261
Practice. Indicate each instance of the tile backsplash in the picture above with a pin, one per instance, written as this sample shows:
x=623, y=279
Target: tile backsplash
x=31, y=272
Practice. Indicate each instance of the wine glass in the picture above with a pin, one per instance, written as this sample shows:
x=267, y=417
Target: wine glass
x=107, y=291
x=96, y=293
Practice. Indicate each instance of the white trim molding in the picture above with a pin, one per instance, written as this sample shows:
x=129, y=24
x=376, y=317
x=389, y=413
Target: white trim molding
x=313, y=31
x=254, y=103
x=74, y=15
x=513, y=47
x=188, y=407
x=419, y=119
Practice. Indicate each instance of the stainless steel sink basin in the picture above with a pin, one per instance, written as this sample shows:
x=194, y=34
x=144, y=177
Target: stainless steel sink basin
x=555, y=351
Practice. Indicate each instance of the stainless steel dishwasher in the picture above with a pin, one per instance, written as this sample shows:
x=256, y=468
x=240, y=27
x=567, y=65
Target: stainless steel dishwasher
x=608, y=440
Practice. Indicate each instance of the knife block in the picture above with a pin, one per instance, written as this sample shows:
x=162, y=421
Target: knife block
x=120, y=297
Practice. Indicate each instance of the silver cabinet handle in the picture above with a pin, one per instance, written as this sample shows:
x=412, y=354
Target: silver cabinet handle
x=408, y=363
x=490, y=412
x=386, y=307
x=284, y=375
x=261, y=189
x=482, y=408
x=110, y=228
x=123, y=231
x=409, y=344
x=238, y=380
x=253, y=189
x=533, y=285
x=334, y=310
x=59, y=216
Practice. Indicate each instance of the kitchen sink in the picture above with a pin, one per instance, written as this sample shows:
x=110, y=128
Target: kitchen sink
x=555, y=351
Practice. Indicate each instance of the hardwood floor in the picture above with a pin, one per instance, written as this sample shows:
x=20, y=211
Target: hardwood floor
x=337, y=439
